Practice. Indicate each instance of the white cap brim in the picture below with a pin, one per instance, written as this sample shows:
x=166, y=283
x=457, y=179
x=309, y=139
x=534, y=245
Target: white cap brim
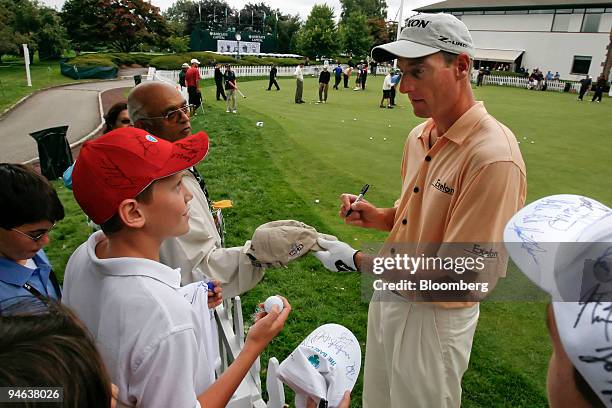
x=401, y=49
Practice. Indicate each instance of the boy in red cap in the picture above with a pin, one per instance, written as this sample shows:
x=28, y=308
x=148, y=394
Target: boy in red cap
x=130, y=183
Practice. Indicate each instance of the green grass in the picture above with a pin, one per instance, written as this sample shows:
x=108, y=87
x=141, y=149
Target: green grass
x=308, y=152
x=14, y=85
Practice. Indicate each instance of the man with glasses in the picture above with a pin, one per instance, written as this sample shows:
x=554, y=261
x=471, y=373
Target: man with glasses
x=160, y=109
x=30, y=210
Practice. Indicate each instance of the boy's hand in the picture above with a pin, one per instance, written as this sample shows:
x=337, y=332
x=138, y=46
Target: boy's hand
x=267, y=326
x=215, y=298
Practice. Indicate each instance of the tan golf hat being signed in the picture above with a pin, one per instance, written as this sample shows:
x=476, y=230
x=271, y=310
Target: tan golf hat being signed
x=277, y=243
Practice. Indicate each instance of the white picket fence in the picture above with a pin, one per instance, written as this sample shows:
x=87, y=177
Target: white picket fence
x=257, y=71
x=521, y=82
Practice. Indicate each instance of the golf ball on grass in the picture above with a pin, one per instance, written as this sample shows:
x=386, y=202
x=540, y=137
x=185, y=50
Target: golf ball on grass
x=271, y=301
x=317, y=201
x=532, y=142
x=371, y=138
x=384, y=138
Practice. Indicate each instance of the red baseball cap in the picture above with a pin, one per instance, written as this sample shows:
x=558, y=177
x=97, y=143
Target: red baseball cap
x=122, y=163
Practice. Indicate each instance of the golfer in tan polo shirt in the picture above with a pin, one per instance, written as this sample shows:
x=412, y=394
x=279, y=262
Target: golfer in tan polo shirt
x=463, y=179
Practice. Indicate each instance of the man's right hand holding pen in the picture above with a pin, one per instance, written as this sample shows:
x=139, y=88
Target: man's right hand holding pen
x=362, y=214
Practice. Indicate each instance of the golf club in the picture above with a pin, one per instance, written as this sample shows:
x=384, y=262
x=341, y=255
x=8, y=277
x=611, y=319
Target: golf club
x=240, y=92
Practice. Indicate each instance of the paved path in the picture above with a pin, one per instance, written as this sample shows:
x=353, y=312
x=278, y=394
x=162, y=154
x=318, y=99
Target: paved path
x=74, y=105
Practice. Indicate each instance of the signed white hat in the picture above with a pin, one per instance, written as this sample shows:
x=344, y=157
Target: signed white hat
x=563, y=243
x=323, y=366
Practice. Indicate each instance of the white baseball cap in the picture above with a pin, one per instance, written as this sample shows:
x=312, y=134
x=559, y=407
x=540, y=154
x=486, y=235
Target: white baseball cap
x=195, y=61
x=563, y=243
x=426, y=34
x=185, y=65
x=324, y=366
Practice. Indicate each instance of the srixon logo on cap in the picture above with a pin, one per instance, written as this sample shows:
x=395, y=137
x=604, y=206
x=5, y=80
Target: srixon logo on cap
x=418, y=23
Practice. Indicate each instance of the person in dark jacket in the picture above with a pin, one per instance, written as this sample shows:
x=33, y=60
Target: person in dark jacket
x=324, y=77
x=599, y=88
x=219, y=83
x=273, y=71
x=184, y=69
x=585, y=84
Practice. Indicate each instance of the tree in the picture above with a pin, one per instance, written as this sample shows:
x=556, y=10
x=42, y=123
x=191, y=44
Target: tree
x=252, y=17
x=369, y=8
x=27, y=22
x=377, y=27
x=286, y=30
x=187, y=13
x=318, y=36
x=354, y=35
x=121, y=23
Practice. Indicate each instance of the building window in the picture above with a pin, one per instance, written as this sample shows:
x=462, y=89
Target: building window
x=561, y=22
x=581, y=65
x=516, y=11
x=595, y=10
x=473, y=12
x=495, y=12
x=541, y=11
x=590, y=23
x=563, y=11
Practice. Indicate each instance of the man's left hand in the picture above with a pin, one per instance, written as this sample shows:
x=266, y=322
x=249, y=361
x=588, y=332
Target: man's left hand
x=337, y=256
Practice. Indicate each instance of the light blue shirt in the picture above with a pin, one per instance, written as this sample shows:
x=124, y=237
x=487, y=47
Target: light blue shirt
x=395, y=79
x=13, y=276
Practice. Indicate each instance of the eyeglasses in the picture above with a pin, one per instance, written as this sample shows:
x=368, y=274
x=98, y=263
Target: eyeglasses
x=173, y=115
x=36, y=237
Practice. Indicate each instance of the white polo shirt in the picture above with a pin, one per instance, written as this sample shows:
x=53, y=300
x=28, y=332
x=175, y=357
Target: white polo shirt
x=147, y=333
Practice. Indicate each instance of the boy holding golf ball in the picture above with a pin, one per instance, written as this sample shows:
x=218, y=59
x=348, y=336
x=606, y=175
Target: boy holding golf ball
x=150, y=338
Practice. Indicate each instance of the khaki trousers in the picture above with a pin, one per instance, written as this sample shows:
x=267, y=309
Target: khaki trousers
x=416, y=353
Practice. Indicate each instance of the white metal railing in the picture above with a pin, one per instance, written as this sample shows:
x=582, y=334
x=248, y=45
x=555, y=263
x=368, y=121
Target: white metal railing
x=522, y=82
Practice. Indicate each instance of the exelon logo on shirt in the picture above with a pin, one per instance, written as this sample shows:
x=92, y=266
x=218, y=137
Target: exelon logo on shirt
x=443, y=187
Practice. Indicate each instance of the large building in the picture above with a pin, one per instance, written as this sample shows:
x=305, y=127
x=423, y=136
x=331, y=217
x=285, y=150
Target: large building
x=572, y=37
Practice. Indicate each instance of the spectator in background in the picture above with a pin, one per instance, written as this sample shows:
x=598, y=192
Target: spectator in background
x=182, y=73
x=272, y=81
x=230, y=86
x=373, y=67
x=346, y=75
x=30, y=210
x=480, y=76
x=557, y=76
x=192, y=79
x=585, y=84
x=549, y=76
x=395, y=80
x=324, y=77
x=299, y=83
x=116, y=117
x=386, y=88
x=44, y=344
x=358, y=78
x=599, y=88
x=220, y=93
x=364, y=76
x=337, y=76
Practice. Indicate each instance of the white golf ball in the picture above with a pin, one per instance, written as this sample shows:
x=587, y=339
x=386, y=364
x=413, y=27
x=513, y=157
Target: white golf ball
x=354, y=118
x=317, y=201
x=389, y=125
x=371, y=138
x=532, y=142
x=519, y=142
x=384, y=138
x=271, y=301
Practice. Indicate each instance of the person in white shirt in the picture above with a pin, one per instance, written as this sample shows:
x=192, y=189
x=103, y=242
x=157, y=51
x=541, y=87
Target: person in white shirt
x=387, y=85
x=151, y=339
x=299, y=83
